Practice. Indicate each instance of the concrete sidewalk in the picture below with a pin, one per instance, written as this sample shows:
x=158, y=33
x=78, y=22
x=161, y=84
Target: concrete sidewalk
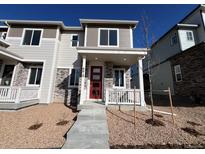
x=90, y=131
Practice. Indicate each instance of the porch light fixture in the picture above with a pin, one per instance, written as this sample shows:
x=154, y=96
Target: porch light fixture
x=96, y=58
x=125, y=59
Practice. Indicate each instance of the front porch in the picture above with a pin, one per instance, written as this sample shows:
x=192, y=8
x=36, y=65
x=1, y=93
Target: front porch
x=18, y=97
x=19, y=81
x=106, y=76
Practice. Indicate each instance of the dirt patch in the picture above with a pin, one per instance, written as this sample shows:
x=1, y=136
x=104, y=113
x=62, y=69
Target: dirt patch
x=192, y=131
x=153, y=146
x=61, y=123
x=35, y=126
x=155, y=122
x=122, y=133
x=14, y=132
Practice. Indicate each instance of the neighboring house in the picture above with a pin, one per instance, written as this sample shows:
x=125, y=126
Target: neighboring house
x=46, y=61
x=178, y=57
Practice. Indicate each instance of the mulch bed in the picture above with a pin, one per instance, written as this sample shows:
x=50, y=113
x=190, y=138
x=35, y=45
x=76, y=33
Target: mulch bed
x=188, y=131
x=40, y=126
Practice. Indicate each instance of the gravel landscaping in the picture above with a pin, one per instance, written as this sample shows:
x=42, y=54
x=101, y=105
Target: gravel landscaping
x=40, y=126
x=188, y=131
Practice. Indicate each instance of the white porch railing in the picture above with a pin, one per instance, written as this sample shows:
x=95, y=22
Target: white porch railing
x=122, y=96
x=18, y=94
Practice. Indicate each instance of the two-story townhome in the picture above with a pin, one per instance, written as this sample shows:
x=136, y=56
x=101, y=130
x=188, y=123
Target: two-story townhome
x=46, y=61
x=177, y=59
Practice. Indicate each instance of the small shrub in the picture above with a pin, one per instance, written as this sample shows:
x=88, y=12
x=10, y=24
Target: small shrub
x=192, y=131
x=193, y=123
x=63, y=122
x=158, y=115
x=155, y=122
x=35, y=126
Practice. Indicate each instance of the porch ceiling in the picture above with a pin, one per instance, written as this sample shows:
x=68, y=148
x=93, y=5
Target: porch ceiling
x=117, y=57
x=7, y=55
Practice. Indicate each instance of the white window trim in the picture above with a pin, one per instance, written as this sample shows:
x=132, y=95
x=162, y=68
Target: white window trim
x=118, y=87
x=70, y=71
x=99, y=29
x=33, y=29
x=71, y=40
x=189, y=31
x=176, y=73
x=29, y=74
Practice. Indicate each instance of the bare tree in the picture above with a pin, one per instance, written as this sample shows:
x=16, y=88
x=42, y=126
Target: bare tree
x=147, y=35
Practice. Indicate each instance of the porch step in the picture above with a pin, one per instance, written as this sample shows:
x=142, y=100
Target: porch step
x=91, y=105
x=16, y=106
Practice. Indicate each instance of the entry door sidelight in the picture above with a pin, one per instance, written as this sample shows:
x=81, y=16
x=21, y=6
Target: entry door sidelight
x=96, y=82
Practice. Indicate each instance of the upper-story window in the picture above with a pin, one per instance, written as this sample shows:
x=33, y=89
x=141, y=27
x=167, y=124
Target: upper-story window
x=189, y=36
x=32, y=37
x=3, y=35
x=108, y=37
x=173, y=40
x=75, y=40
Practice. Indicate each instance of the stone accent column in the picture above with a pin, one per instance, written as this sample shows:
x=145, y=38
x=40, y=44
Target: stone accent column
x=62, y=93
x=127, y=78
x=21, y=75
x=82, y=91
x=108, y=76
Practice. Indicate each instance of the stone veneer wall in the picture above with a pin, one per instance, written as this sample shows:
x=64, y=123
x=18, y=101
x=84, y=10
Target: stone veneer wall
x=128, y=77
x=21, y=73
x=62, y=92
x=192, y=63
x=109, y=76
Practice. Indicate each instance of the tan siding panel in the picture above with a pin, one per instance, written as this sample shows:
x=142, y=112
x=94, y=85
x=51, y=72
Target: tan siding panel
x=15, y=32
x=92, y=37
x=49, y=33
x=124, y=38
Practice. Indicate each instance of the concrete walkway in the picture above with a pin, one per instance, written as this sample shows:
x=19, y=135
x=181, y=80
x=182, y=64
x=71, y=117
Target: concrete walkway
x=90, y=131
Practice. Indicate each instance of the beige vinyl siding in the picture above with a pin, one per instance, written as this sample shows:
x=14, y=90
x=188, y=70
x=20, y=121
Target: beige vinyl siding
x=18, y=31
x=15, y=32
x=92, y=37
x=67, y=55
x=49, y=33
x=44, y=52
x=124, y=37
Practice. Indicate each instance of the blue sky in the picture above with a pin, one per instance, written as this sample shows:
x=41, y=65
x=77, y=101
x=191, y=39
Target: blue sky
x=161, y=17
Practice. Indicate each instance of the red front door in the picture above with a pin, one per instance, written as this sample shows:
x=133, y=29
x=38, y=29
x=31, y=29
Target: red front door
x=96, y=82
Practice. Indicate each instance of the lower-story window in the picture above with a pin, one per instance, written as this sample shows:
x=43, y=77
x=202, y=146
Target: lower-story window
x=35, y=75
x=119, y=78
x=7, y=75
x=74, y=77
x=178, y=74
